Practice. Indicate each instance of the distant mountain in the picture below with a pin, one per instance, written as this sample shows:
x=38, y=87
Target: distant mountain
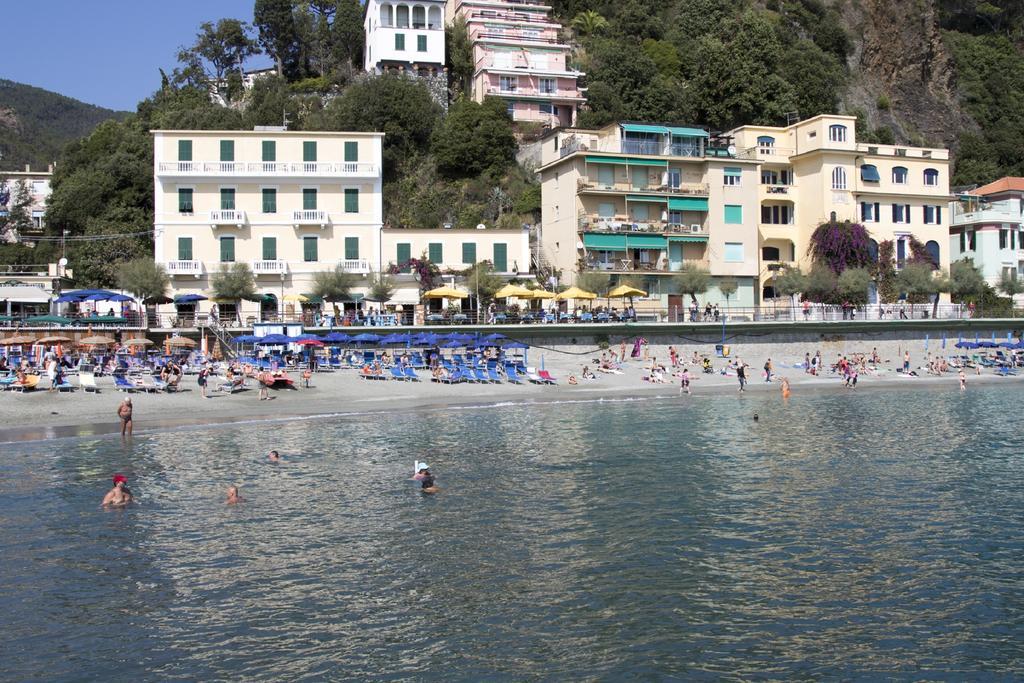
x=35, y=124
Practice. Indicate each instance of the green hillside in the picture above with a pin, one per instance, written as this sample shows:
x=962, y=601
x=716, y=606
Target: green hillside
x=35, y=124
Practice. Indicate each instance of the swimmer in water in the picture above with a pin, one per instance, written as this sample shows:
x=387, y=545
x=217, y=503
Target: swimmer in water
x=233, y=496
x=785, y=388
x=756, y=418
x=425, y=478
x=119, y=496
x=274, y=456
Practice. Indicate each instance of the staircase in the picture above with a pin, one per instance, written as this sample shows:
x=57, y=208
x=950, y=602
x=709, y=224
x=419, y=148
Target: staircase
x=222, y=336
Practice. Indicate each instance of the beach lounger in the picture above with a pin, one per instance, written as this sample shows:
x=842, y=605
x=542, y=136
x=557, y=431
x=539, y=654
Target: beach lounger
x=396, y=373
x=453, y=377
x=410, y=374
x=30, y=383
x=512, y=375
x=87, y=381
x=6, y=382
x=492, y=374
x=481, y=376
x=546, y=376
x=65, y=386
x=122, y=383
x=531, y=374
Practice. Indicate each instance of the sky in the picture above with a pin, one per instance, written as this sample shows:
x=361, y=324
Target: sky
x=105, y=52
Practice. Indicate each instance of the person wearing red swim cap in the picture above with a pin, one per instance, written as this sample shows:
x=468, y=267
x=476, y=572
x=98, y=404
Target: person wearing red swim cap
x=119, y=496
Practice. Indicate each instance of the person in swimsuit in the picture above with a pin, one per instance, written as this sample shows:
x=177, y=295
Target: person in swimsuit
x=274, y=456
x=425, y=478
x=233, y=497
x=124, y=411
x=119, y=496
x=684, y=382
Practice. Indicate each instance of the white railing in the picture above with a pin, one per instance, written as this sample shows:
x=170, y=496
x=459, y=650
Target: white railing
x=269, y=267
x=355, y=265
x=310, y=216
x=227, y=217
x=184, y=268
x=268, y=168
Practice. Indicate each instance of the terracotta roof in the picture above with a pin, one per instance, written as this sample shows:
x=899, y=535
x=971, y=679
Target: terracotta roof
x=1002, y=185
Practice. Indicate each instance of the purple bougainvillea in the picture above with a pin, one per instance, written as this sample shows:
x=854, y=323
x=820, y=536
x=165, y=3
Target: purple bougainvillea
x=841, y=245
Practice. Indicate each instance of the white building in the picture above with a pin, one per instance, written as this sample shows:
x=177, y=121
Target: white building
x=404, y=36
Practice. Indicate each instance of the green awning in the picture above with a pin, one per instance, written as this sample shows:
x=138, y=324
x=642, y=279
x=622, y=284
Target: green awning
x=687, y=204
x=352, y=298
x=626, y=160
x=643, y=128
x=313, y=299
x=732, y=171
x=869, y=173
x=605, y=242
x=688, y=132
x=645, y=241
x=645, y=198
x=687, y=238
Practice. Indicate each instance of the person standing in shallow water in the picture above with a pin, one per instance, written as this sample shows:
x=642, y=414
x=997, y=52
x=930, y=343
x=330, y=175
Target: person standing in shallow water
x=124, y=411
x=741, y=374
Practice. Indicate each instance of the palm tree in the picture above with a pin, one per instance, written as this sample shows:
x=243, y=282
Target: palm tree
x=589, y=22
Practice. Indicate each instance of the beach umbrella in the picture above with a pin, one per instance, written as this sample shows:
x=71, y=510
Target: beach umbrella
x=68, y=299
x=137, y=341
x=17, y=340
x=109, y=296
x=515, y=345
x=366, y=337
x=97, y=340
x=296, y=298
x=274, y=339
x=157, y=300
x=575, y=293
x=54, y=339
x=181, y=341
x=624, y=291
x=307, y=335
x=397, y=338
x=244, y=339
x=48, y=320
x=510, y=291
x=309, y=342
x=926, y=343
x=494, y=337
x=444, y=293
x=189, y=298
x=336, y=338
x=452, y=345
x=540, y=294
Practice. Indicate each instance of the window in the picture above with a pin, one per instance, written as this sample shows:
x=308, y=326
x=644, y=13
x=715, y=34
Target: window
x=606, y=175
x=770, y=254
x=419, y=18
x=606, y=210
x=838, y=178
x=269, y=150
x=972, y=238
x=776, y=214
x=548, y=86
x=435, y=252
x=403, y=253
x=309, y=150
x=508, y=83
x=733, y=214
x=269, y=200
x=227, y=199
x=184, y=150
x=548, y=108
x=310, y=249
x=638, y=176
x=837, y=133
x=869, y=173
x=185, y=200
x=932, y=247
x=732, y=177
x=351, y=200
x=963, y=241
x=674, y=178
x=872, y=250
x=351, y=150
x=227, y=150
x=641, y=211
x=734, y=252
x=510, y=109
x=869, y=213
x=469, y=252
x=269, y=248
x=402, y=17
x=500, y=257
x=184, y=248
x=931, y=177
x=421, y=43
x=901, y=213
x=765, y=141
x=351, y=248
x=1003, y=238
x=227, y=249
x=899, y=175
x=932, y=215
x=309, y=199
x=399, y=41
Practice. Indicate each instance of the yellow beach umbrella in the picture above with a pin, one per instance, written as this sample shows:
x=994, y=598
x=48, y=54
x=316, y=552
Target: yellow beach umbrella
x=625, y=290
x=98, y=340
x=575, y=293
x=512, y=290
x=444, y=293
x=296, y=298
x=54, y=339
x=18, y=340
x=540, y=294
x=138, y=341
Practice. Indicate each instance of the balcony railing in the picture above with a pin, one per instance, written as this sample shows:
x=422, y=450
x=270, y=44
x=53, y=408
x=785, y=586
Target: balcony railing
x=517, y=36
x=776, y=189
x=227, y=217
x=660, y=264
x=359, y=266
x=518, y=91
x=268, y=168
x=689, y=189
x=270, y=267
x=621, y=224
x=310, y=217
x=517, y=17
x=184, y=268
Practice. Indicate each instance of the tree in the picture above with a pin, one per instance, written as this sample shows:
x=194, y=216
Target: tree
x=220, y=49
x=333, y=285
x=482, y=282
x=965, y=280
x=460, y=63
x=589, y=22
x=278, y=35
x=790, y=281
x=382, y=286
x=693, y=280
x=727, y=286
x=1010, y=285
x=144, y=278
x=821, y=284
x=853, y=284
x=593, y=281
x=888, y=289
x=348, y=35
x=840, y=245
x=916, y=281
x=474, y=139
x=233, y=282
x=19, y=215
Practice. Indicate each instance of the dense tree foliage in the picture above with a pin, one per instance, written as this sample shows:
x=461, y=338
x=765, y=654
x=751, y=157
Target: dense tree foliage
x=474, y=139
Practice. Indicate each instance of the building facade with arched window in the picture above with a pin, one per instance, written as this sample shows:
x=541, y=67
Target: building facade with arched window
x=407, y=37
x=816, y=168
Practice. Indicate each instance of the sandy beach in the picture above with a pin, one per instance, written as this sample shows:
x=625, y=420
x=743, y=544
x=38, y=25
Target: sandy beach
x=41, y=415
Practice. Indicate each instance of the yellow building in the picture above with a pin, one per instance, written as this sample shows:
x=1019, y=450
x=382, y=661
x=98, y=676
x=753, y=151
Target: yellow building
x=815, y=170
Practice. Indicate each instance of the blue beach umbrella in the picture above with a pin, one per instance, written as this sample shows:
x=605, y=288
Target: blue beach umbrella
x=189, y=298
x=493, y=337
x=306, y=336
x=515, y=345
x=274, y=339
x=452, y=345
x=69, y=299
x=424, y=339
x=244, y=339
x=943, y=340
x=366, y=337
x=337, y=338
x=397, y=338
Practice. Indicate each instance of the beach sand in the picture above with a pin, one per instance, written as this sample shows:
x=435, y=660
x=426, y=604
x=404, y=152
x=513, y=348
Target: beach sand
x=40, y=415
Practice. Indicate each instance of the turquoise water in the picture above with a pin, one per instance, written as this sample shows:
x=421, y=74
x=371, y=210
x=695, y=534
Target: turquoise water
x=840, y=536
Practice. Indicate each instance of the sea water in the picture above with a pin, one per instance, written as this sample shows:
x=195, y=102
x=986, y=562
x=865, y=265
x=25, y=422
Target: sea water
x=863, y=534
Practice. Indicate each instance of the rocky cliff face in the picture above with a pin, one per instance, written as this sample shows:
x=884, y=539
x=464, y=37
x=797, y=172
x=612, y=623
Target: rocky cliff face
x=899, y=56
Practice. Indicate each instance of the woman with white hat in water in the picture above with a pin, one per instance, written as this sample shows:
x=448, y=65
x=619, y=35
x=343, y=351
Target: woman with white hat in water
x=423, y=475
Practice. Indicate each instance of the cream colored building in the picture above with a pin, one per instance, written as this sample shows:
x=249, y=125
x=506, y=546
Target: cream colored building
x=639, y=201
x=815, y=169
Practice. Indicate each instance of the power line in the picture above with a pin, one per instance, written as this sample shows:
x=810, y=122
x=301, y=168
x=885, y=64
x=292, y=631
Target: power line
x=91, y=238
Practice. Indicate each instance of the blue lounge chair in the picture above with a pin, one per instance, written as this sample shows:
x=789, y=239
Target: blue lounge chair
x=481, y=376
x=396, y=373
x=65, y=386
x=513, y=376
x=121, y=383
x=492, y=373
x=587, y=317
x=410, y=374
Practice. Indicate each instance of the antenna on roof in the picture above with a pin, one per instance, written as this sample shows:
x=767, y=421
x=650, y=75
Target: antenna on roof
x=792, y=117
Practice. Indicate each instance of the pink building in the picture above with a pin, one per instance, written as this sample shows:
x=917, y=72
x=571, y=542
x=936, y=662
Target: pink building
x=519, y=58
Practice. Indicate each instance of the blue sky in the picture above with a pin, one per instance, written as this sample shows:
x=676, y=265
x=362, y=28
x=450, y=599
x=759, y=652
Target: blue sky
x=104, y=52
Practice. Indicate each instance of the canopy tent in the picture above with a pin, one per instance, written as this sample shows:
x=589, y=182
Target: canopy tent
x=24, y=294
x=575, y=293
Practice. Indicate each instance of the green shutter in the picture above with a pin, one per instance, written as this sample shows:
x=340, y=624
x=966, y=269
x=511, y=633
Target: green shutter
x=421, y=43
x=399, y=41
x=184, y=248
x=469, y=252
x=351, y=247
x=269, y=200
x=269, y=248
x=227, y=150
x=309, y=150
x=269, y=150
x=309, y=249
x=185, y=201
x=501, y=257
x=404, y=254
x=309, y=199
x=435, y=252
x=227, y=249
x=351, y=200
x=351, y=151
x=184, y=150
x=733, y=214
x=227, y=199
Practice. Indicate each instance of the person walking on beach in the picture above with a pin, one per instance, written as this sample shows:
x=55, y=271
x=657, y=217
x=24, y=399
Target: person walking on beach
x=768, y=370
x=741, y=374
x=124, y=411
x=622, y=351
x=906, y=362
x=119, y=496
x=204, y=375
x=684, y=382
x=963, y=380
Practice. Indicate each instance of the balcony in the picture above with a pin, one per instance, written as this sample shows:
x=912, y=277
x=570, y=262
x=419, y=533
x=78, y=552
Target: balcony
x=593, y=223
x=310, y=217
x=194, y=268
x=655, y=264
x=768, y=153
x=776, y=189
x=272, y=267
x=267, y=169
x=536, y=93
x=227, y=217
x=659, y=148
x=686, y=189
x=516, y=37
x=359, y=266
x=515, y=17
